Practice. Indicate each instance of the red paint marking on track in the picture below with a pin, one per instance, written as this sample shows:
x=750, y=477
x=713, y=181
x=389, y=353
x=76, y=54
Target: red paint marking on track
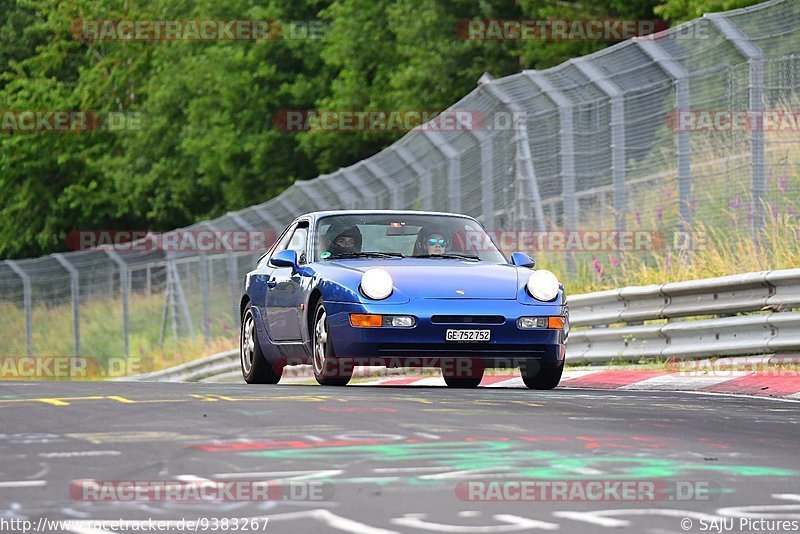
x=759, y=384
x=494, y=379
x=401, y=381
x=613, y=379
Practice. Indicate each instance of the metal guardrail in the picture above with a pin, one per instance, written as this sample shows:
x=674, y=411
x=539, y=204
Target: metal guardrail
x=194, y=371
x=602, y=330
x=766, y=298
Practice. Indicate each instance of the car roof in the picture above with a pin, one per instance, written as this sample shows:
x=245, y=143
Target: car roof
x=319, y=214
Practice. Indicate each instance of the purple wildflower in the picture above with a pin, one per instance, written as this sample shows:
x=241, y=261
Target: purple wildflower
x=735, y=203
x=615, y=262
x=597, y=266
x=660, y=214
x=774, y=207
x=783, y=182
x=639, y=219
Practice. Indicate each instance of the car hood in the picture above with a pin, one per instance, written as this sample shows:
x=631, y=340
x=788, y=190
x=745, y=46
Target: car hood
x=443, y=278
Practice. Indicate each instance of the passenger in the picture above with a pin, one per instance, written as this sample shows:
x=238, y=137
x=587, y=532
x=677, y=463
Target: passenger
x=431, y=243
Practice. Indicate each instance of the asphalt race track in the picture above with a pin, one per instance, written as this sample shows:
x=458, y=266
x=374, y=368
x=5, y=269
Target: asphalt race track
x=398, y=459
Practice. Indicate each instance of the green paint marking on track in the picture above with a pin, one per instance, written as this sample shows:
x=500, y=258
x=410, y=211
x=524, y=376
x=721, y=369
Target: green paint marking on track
x=491, y=458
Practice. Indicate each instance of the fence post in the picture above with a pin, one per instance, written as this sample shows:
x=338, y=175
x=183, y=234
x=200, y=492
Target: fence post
x=676, y=70
x=617, y=127
x=526, y=172
x=424, y=177
x=124, y=289
x=484, y=140
x=266, y=216
x=380, y=174
x=204, y=301
x=567, y=140
x=755, y=60
x=443, y=146
x=233, y=274
x=303, y=186
x=336, y=187
x=74, y=293
x=26, y=300
x=358, y=185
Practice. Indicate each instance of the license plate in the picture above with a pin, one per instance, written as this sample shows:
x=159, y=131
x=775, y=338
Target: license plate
x=468, y=335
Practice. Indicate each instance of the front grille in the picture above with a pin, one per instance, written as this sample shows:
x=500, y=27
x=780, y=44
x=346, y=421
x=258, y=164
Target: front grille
x=468, y=319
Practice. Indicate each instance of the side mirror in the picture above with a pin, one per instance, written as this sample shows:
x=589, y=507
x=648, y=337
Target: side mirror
x=520, y=259
x=285, y=258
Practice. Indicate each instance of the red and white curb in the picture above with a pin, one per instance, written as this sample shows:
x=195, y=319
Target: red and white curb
x=784, y=384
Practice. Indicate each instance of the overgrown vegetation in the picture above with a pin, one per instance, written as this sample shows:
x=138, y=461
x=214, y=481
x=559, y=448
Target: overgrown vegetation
x=207, y=143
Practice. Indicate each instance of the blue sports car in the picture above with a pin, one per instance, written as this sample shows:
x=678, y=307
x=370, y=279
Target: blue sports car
x=399, y=289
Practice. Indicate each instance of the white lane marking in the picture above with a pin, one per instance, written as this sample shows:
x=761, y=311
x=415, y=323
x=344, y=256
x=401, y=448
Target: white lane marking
x=74, y=454
x=332, y=520
x=513, y=523
x=282, y=475
x=762, y=511
x=605, y=518
x=408, y=469
x=23, y=483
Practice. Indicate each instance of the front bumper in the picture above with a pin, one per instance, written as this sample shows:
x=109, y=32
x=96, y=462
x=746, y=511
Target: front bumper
x=424, y=344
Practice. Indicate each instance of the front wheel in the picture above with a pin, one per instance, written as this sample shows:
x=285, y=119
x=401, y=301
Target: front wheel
x=328, y=369
x=255, y=368
x=540, y=375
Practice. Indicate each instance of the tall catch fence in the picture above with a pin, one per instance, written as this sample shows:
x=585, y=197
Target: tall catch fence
x=630, y=139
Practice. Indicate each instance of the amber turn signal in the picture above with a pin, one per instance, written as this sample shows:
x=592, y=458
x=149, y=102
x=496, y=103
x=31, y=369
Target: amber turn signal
x=366, y=320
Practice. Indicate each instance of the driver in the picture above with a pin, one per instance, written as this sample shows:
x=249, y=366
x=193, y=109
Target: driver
x=343, y=240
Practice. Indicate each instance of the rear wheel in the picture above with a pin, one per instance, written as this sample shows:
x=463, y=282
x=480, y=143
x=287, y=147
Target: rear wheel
x=541, y=375
x=328, y=369
x=255, y=368
x=462, y=373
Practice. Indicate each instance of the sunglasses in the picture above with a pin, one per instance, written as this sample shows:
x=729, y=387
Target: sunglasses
x=433, y=241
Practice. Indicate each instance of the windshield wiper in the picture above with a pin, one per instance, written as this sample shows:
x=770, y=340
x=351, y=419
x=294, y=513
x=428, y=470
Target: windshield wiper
x=449, y=255
x=368, y=255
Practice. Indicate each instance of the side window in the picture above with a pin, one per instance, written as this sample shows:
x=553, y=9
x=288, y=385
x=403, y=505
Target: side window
x=298, y=243
x=295, y=240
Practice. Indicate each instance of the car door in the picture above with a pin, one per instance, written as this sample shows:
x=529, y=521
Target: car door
x=285, y=290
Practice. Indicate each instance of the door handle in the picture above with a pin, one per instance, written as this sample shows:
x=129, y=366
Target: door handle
x=272, y=283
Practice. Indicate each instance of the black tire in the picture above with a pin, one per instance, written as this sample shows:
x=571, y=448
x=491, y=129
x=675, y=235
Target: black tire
x=538, y=375
x=456, y=377
x=328, y=369
x=255, y=368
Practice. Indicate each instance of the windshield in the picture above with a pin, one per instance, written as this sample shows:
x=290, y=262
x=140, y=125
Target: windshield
x=403, y=235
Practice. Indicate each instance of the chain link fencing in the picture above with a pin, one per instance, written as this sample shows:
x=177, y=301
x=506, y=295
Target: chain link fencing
x=637, y=137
